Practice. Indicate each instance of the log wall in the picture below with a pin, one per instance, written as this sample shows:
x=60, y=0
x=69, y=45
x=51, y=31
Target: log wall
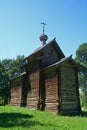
x=49, y=90
x=16, y=92
x=51, y=95
x=33, y=92
x=53, y=89
x=68, y=90
x=48, y=56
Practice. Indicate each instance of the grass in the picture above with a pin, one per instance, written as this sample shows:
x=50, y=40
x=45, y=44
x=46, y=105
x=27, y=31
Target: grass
x=13, y=118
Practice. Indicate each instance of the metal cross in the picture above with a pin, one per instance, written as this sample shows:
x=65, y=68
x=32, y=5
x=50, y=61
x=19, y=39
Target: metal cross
x=43, y=27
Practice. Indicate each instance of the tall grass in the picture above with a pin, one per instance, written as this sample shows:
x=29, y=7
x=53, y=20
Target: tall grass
x=13, y=118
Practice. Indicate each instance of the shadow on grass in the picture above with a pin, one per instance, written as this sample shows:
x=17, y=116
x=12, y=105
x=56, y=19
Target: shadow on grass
x=9, y=120
x=14, y=119
x=83, y=114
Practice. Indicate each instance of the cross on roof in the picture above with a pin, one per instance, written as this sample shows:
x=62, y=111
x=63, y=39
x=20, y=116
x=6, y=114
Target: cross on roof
x=43, y=27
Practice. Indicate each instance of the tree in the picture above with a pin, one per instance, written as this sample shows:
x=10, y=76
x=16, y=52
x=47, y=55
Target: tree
x=81, y=59
x=13, y=67
x=9, y=68
x=3, y=84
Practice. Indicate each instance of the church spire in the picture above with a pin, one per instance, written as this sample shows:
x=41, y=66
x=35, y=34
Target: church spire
x=43, y=37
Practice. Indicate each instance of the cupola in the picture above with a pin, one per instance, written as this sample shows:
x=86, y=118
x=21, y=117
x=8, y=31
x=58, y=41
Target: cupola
x=43, y=37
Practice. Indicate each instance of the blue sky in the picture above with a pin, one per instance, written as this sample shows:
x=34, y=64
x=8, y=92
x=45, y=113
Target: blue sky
x=20, y=26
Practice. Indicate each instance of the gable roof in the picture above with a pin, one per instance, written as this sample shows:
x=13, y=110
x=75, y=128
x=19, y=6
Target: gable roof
x=52, y=43
x=63, y=60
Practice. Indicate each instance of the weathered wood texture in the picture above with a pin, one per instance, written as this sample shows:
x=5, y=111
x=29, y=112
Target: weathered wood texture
x=49, y=90
x=50, y=82
x=48, y=57
x=51, y=94
x=32, y=66
x=16, y=92
x=19, y=91
x=25, y=86
x=69, y=101
x=48, y=54
x=33, y=92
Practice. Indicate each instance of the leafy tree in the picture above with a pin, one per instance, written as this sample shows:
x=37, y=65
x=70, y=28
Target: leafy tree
x=3, y=83
x=81, y=59
x=9, y=68
x=13, y=67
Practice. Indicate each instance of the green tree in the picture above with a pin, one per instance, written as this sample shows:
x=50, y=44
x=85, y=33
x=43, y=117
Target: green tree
x=3, y=85
x=9, y=68
x=81, y=59
x=13, y=67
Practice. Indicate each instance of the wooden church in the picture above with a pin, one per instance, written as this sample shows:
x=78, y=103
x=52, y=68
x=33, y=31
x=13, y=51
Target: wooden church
x=50, y=81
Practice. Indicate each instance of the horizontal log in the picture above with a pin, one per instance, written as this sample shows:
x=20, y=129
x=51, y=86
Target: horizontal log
x=31, y=107
x=17, y=105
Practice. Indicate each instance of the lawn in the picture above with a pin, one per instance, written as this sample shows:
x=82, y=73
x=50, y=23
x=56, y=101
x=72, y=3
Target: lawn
x=13, y=118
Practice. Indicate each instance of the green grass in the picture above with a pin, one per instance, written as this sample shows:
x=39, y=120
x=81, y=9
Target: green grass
x=13, y=118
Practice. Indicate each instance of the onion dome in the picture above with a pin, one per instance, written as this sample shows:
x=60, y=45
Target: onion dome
x=43, y=37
